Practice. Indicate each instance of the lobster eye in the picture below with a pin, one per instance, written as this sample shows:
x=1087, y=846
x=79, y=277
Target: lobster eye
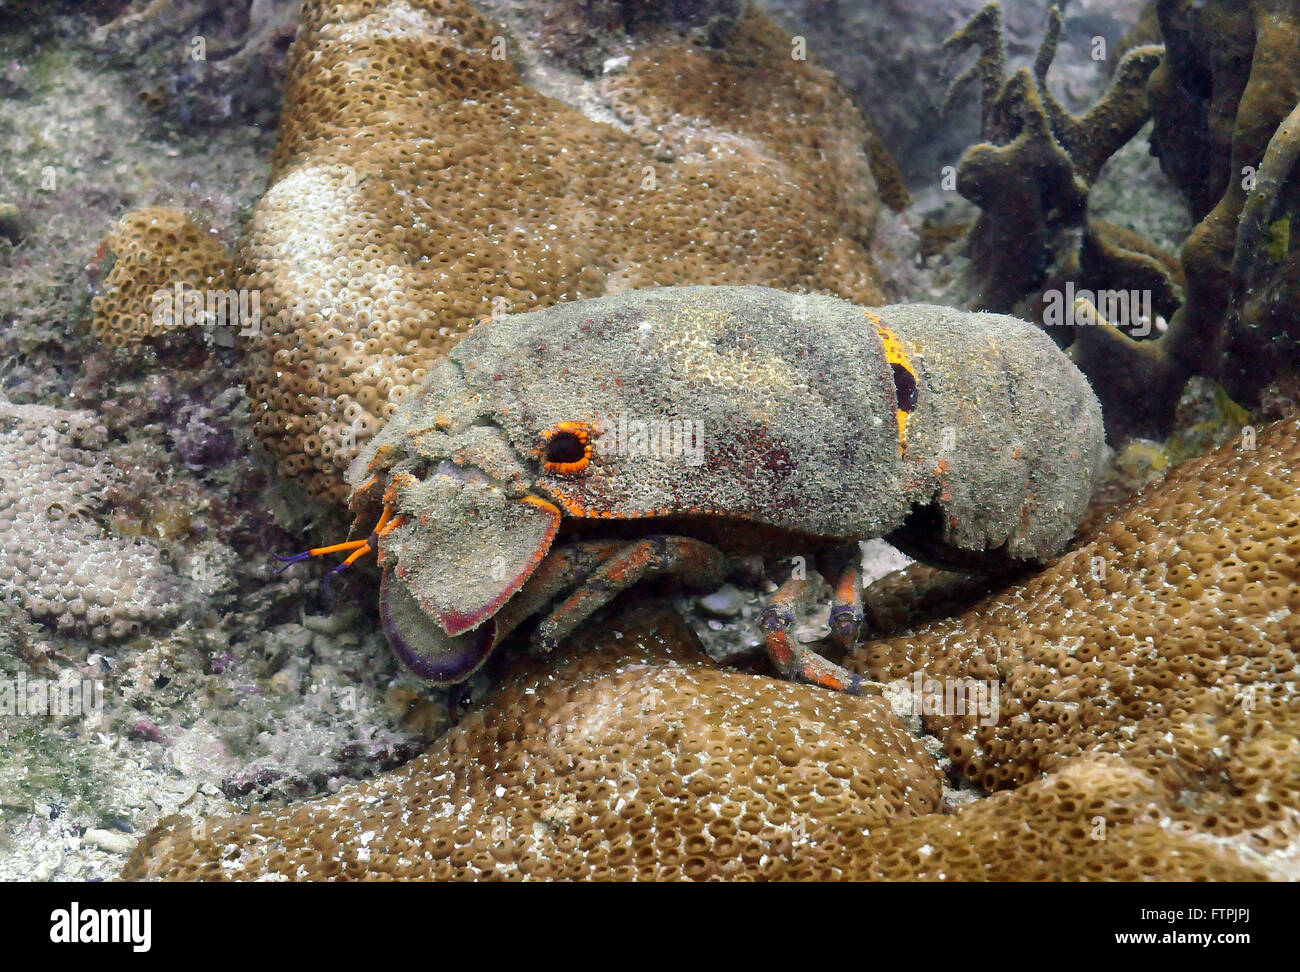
x=568, y=448
x=565, y=448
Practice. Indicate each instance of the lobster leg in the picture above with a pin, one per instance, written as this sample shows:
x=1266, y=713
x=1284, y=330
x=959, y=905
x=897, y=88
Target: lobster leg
x=796, y=661
x=564, y=569
x=843, y=570
x=696, y=563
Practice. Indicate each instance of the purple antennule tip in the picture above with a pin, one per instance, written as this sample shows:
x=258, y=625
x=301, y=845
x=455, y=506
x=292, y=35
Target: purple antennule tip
x=290, y=561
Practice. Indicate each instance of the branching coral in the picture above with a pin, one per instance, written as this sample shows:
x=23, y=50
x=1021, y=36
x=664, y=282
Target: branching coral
x=1033, y=174
x=1220, y=100
x=1220, y=97
x=1262, y=338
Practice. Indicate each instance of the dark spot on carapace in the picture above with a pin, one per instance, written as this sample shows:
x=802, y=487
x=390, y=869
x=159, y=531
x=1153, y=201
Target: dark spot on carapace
x=904, y=387
x=753, y=448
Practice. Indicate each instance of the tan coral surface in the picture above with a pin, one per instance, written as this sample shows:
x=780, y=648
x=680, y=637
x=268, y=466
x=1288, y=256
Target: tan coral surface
x=1167, y=638
x=154, y=250
x=631, y=757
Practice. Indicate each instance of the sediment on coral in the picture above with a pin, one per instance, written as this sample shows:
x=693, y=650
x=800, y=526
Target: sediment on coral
x=586, y=36
x=420, y=186
x=1166, y=638
x=629, y=755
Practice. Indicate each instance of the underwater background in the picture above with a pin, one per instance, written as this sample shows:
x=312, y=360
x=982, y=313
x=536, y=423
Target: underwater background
x=236, y=237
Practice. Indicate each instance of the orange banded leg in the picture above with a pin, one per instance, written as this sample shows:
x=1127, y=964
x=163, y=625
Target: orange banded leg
x=846, y=606
x=563, y=569
x=696, y=563
x=796, y=661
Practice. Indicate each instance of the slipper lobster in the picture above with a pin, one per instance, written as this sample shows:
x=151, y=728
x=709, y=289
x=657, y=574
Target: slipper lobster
x=556, y=458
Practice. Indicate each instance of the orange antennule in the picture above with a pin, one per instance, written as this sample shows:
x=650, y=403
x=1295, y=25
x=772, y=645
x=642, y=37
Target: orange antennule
x=359, y=548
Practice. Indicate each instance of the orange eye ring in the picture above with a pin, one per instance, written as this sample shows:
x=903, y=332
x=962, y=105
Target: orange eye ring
x=567, y=448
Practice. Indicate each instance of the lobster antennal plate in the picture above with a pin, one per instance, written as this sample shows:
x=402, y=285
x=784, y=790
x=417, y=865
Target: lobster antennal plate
x=471, y=548
x=421, y=646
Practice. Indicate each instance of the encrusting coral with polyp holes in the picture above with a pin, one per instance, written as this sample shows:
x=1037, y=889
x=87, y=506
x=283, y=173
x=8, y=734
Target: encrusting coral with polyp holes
x=60, y=565
x=627, y=755
x=155, y=251
x=1167, y=637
